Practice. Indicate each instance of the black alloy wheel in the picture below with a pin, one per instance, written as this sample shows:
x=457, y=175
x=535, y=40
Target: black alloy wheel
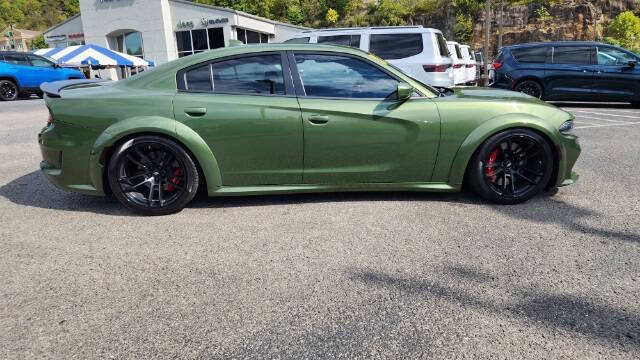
x=8, y=90
x=512, y=166
x=153, y=175
x=530, y=87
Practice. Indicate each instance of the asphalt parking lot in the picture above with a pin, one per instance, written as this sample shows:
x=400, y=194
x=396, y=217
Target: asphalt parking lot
x=374, y=275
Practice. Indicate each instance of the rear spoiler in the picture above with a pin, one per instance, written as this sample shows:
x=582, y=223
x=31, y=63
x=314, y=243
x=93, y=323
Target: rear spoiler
x=53, y=89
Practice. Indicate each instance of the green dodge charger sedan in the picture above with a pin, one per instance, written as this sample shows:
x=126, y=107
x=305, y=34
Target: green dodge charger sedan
x=286, y=118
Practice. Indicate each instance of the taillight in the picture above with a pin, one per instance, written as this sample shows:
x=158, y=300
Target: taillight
x=50, y=119
x=436, y=68
x=457, y=66
x=470, y=66
x=497, y=65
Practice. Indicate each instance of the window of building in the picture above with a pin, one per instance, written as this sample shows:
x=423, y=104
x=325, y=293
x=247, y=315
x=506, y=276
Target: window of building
x=346, y=40
x=344, y=77
x=130, y=43
x=395, y=46
x=196, y=41
x=251, y=37
x=534, y=55
x=572, y=55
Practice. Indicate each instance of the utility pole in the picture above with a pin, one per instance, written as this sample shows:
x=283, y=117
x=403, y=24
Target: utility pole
x=501, y=26
x=487, y=27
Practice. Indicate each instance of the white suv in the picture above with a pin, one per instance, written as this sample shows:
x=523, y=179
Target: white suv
x=459, y=70
x=470, y=64
x=420, y=52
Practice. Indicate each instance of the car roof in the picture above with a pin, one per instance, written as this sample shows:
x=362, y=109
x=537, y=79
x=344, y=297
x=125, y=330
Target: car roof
x=371, y=29
x=555, y=43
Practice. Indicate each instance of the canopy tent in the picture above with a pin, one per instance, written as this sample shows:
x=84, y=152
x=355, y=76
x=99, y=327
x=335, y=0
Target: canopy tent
x=94, y=55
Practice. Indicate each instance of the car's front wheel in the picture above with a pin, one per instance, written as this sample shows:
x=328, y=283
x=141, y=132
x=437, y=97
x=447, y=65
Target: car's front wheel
x=8, y=90
x=511, y=166
x=153, y=175
x=530, y=87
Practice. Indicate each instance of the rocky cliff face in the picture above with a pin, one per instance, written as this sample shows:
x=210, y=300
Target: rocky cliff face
x=568, y=20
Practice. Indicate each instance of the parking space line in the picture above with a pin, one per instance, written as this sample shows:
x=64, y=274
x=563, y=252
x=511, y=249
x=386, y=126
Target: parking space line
x=599, y=119
x=606, y=125
x=605, y=114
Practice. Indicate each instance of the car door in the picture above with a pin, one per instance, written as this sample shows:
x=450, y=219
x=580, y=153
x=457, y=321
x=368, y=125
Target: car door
x=571, y=74
x=616, y=79
x=247, y=113
x=45, y=69
x=26, y=74
x=355, y=130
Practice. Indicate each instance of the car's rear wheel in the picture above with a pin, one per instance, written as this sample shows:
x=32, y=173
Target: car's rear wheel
x=530, y=87
x=153, y=175
x=8, y=90
x=511, y=166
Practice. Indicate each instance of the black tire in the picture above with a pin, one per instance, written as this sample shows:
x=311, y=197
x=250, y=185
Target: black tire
x=153, y=175
x=8, y=90
x=511, y=167
x=530, y=87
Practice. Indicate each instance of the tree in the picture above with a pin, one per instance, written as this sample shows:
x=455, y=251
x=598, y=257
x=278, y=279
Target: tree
x=626, y=30
x=38, y=42
x=332, y=17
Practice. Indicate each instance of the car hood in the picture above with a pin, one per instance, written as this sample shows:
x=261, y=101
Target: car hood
x=493, y=94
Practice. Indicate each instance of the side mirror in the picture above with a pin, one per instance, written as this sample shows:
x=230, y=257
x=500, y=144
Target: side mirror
x=632, y=63
x=404, y=91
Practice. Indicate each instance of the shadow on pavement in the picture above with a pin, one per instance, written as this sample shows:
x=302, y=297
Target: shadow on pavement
x=568, y=312
x=33, y=189
x=575, y=218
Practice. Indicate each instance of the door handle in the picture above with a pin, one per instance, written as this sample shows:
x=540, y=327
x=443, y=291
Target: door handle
x=318, y=119
x=195, y=111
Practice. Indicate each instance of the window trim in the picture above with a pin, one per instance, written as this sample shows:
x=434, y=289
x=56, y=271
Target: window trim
x=299, y=86
x=182, y=87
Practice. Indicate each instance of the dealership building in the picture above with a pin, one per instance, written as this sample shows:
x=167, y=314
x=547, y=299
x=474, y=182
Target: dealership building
x=163, y=30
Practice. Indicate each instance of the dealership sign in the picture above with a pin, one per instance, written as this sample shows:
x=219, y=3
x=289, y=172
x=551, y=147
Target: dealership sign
x=206, y=22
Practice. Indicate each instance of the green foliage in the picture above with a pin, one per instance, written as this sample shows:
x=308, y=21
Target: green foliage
x=36, y=14
x=542, y=13
x=625, y=29
x=331, y=17
x=463, y=30
x=38, y=42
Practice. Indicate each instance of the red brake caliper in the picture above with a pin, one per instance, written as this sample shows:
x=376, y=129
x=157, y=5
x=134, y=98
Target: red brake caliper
x=491, y=164
x=174, y=180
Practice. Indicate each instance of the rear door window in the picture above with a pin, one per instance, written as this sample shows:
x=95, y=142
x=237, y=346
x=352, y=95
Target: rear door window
x=395, y=46
x=346, y=40
x=199, y=79
x=249, y=75
x=532, y=55
x=579, y=55
x=16, y=59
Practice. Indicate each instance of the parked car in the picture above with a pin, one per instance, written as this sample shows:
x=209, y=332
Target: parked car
x=459, y=70
x=288, y=118
x=569, y=71
x=21, y=74
x=470, y=64
x=419, y=52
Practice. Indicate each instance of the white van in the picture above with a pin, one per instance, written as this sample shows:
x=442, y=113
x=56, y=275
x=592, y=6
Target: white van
x=470, y=64
x=420, y=52
x=459, y=70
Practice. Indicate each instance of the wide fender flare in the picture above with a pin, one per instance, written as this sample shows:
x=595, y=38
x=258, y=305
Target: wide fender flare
x=161, y=126
x=493, y=126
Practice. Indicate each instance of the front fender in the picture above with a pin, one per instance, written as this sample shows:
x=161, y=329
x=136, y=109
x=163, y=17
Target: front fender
x=494, y=126
x=155, y=125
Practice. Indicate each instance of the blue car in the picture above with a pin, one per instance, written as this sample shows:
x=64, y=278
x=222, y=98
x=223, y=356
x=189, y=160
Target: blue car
x=22, y=73
x=569, y=71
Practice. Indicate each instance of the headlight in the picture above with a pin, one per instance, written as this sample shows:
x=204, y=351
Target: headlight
x=566, y=127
